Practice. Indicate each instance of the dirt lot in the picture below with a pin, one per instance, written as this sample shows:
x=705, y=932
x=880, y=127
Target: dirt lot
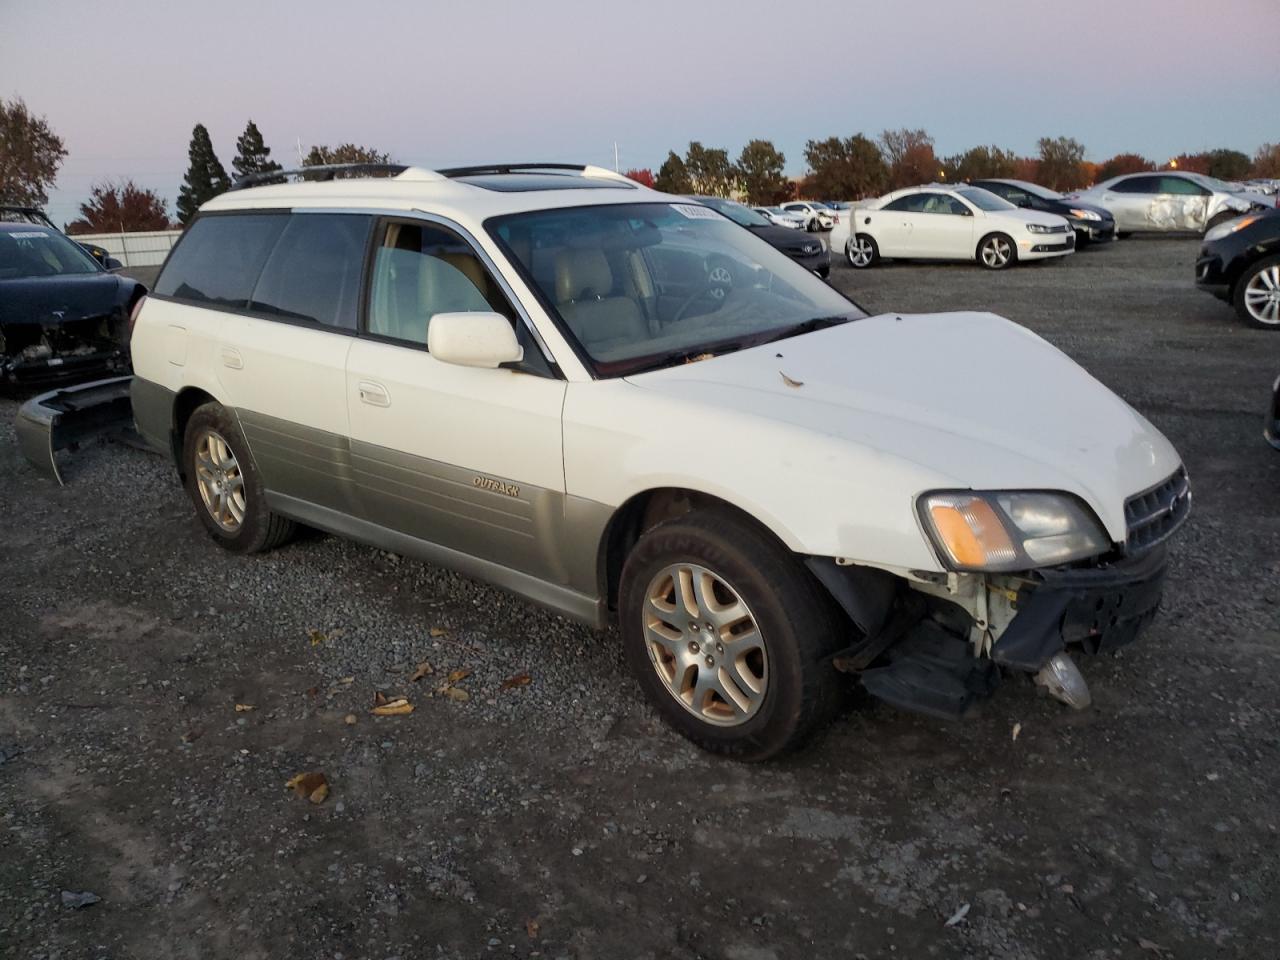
x=558, y=818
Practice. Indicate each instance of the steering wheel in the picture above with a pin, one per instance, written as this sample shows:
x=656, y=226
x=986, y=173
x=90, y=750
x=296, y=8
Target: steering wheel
x=719, y=286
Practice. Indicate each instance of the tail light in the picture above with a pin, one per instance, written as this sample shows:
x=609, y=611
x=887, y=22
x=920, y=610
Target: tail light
x=133, y=315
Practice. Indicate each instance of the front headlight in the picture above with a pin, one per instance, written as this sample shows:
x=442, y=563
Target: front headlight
x=1039, y=228
x=1085, y=214
x=1001, y=532
x=1230, y=227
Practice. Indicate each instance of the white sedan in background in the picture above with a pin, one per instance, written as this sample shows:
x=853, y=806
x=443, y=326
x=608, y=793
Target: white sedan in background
x=1171, y=200
x=817, y=216
x=781, y=218
x=939, y=222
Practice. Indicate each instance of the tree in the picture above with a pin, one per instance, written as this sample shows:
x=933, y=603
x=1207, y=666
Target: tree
x=205, y=177
x=1123, y=163
x=120, y=208
x=980, y=163
x=1190, y=162
x=643, y=176
x=253, y=156
x=760, y=175
x=910, y=157
x=1228, y=164
x=672, y=176
x=847, y=169
x=1061, y=163
x=319, y=156
x=710, y=171
x=1027, y=168
x=30, y=155
x=1266, y=162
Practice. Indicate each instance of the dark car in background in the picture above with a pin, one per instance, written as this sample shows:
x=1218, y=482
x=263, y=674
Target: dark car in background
x=1239, y=262
x=10, y=213
x=808, y=251
x=62, y=316
x=1091, y=223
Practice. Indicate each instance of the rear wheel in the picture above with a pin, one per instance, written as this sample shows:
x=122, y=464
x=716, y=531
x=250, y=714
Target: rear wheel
x=224, y=484
x=727, y=633
x=861, y=251
x=1257, y=296
x=997, y=251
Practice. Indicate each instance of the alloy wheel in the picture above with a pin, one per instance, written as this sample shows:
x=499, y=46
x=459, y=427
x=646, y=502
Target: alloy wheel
x=705, y=644
x=860, y=252
x=220, y=481
x=996, y=252
x=1262, y=295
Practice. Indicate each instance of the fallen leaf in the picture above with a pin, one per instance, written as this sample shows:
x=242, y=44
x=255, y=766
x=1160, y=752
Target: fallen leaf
x=393, y=708
x=532, y=927
x=244, y=707
x=958, y=916
x=313, y=691
x=378, y=698
x=1017, y=729
x=458, y=675
x=789, y=382
x=424, y=669
x=347, y=681
x=312, y=785
x=1144, y=944
x=438, y=631
x=316, y=637
x=349, y=719
x=519, y=680
x=455, y=693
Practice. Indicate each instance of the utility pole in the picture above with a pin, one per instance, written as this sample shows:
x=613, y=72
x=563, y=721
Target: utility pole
x=615, y=157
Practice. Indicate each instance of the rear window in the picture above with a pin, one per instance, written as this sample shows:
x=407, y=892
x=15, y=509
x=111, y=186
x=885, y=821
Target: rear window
x=313, y=274
x=220, y=258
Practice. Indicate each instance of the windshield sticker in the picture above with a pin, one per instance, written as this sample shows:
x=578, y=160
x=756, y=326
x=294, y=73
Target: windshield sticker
x=694, y=212
x=28, y=235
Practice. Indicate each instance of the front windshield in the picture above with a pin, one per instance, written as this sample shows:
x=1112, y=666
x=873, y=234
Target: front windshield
x=735, y=211
x=1034, y=188
x=40, y=252
x=985, y=199
x=646, y=285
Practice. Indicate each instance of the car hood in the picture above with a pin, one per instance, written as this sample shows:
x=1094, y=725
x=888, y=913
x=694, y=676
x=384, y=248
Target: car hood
x=976, y=400
x=51, y=300
x=784, y=238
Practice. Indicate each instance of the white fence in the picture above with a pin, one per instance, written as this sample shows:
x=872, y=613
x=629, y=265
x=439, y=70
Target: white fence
x=135, y=249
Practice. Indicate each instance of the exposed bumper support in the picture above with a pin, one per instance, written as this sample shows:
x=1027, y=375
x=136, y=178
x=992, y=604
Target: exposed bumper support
x=63, y=418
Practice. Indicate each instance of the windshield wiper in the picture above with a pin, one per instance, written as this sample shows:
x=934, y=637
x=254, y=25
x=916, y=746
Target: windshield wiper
x=658, y=361
x=807, y=326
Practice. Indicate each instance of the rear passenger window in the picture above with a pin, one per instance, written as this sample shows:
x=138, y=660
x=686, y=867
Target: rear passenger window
x=219, y=258
x=1138, y=185
x=313, y=274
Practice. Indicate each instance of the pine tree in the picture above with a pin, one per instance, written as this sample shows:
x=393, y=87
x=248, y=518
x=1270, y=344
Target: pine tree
x=252, y=155
x=205, y=178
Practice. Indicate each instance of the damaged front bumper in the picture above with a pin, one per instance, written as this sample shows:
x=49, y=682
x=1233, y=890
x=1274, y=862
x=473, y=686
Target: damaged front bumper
x=62, y=419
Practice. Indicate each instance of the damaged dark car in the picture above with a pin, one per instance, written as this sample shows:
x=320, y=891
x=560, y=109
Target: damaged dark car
x=62, y=316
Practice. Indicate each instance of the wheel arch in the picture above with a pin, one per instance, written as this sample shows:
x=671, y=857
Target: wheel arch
x=185, y=403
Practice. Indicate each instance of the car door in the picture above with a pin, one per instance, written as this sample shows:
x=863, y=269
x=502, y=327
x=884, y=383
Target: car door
x=465, y=458
x=893, y=224
x=1130, y=199
x=289, y=288
x=1182, y=204
x=943, y=229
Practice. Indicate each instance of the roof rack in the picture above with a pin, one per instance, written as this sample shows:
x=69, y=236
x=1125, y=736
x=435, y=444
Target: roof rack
x=324, y=171
x=587, y=170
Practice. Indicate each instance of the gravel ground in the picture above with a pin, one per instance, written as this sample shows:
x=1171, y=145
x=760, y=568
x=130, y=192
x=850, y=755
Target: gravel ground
x=558, y=818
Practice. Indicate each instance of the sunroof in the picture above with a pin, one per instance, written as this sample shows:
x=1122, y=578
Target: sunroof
x=524, y=182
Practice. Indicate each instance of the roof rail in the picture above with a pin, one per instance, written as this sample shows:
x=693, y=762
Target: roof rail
x=325, y=171
x=587, y=170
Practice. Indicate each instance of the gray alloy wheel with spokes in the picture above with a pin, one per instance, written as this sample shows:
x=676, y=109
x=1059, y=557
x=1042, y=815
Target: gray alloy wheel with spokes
x=729, y=634
x=861, y=251
x=997, y=251
x=223, y=482
x=1258, y=294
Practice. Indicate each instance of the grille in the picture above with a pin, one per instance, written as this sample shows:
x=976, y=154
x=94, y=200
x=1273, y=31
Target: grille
x=1152, y=517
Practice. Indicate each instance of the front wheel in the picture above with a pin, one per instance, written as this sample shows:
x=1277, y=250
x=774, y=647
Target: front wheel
x=727, y=634
x=861, y=251
x=1257, y=297
x=223, y=483
x=813, y=226
x=997, y=251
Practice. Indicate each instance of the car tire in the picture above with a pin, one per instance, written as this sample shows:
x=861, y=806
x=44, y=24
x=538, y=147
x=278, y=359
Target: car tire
x=813, y=226
x=996, y=251
x=1256, y=292
x=225, y=486
x=825, y=272
x=861, y=251
x=779, y=688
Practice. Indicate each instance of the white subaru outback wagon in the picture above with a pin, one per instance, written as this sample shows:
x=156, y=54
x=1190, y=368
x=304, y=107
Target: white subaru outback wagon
x=618, y=403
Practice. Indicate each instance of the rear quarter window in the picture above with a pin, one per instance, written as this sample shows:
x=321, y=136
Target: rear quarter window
x=313, y=274
x=219, y=258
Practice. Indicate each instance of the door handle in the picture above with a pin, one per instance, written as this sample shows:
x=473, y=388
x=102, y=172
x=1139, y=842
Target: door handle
x=374, y=394
x=231, y=358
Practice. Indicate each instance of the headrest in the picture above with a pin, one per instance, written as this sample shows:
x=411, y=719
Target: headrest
x=582, y=275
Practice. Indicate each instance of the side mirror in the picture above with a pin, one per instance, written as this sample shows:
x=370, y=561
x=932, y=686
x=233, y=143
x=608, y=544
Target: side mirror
x=473, y=340
x=111, y=263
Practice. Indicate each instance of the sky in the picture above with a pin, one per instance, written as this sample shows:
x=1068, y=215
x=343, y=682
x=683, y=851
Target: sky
x=441, y=84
